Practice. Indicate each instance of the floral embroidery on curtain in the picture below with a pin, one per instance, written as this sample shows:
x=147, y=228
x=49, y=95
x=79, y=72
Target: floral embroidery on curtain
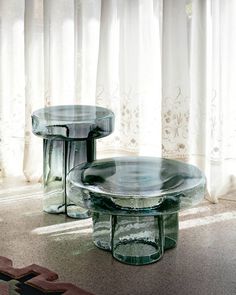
x=175, y=126
x=153, y=62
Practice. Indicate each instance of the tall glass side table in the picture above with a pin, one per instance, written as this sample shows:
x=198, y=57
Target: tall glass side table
x=69, y=133
x=135, y=203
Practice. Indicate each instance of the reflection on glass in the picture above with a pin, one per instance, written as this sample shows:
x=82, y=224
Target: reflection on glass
x=69, y=134
x=135, y=203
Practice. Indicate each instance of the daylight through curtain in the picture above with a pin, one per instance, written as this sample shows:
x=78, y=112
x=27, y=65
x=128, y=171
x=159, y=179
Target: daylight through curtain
x=166, y=69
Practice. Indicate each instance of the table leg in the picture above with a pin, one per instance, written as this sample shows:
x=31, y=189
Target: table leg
x=78, y=152
x=59, y=158
x=102, y=230
x=53, y=201
x=171, y=230
x=137, y=240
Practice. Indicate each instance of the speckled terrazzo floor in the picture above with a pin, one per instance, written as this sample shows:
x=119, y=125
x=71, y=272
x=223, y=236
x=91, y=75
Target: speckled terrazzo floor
x=203, y=263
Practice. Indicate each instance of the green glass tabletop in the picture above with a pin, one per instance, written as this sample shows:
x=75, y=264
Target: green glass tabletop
x=132, y=185
x=73, y=122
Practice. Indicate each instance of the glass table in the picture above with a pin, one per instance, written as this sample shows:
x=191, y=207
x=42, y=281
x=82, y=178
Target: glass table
x=69, y=133
x=135, y=203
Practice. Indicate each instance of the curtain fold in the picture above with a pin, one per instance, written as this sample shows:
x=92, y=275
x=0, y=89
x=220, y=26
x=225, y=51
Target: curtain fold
x=129, y=74
x=12, y=90
x=34, y=84
x=166, y=69
x=222, y=73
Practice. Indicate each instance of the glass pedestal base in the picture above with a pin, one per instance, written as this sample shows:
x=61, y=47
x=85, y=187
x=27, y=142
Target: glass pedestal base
x=171, y=230
x=59, y=157
x=102, y=231
x=135, y=240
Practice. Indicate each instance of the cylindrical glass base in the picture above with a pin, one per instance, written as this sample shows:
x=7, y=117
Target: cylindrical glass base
x=59, y=158
x=137, y=240
x=171, y=230
x=102, y=231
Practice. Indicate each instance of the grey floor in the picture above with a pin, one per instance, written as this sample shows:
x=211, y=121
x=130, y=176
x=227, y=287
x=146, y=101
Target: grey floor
x=203, y=263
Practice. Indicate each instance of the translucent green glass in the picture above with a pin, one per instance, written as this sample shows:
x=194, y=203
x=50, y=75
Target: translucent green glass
x=137, y=240
x=135, y=203
x=59, y=158
x=69, y=134
x=102, y=230
x=102, y=234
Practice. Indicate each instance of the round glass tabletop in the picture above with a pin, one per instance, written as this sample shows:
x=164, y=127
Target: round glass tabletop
x=73, y=122
x=136, y=184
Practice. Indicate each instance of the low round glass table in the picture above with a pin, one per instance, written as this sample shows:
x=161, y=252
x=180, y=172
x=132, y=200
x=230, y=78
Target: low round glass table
x=135, y=203
x=69, y=133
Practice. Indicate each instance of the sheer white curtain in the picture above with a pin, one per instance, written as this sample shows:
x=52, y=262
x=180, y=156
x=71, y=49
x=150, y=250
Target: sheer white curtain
x=166, y=68
x=222, y=107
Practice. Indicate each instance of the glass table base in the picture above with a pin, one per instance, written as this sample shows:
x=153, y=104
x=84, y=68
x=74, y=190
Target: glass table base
x=171, y=230
x=102, y=230
x=106, y=232
x=59, y=157
x=137, y=240
x=137, y=252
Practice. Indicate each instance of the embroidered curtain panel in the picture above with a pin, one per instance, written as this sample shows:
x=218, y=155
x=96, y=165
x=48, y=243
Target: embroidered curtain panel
x=166, y=69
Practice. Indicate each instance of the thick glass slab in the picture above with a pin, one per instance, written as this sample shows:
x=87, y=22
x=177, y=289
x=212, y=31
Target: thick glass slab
x=73, y=122
x=136, y=186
